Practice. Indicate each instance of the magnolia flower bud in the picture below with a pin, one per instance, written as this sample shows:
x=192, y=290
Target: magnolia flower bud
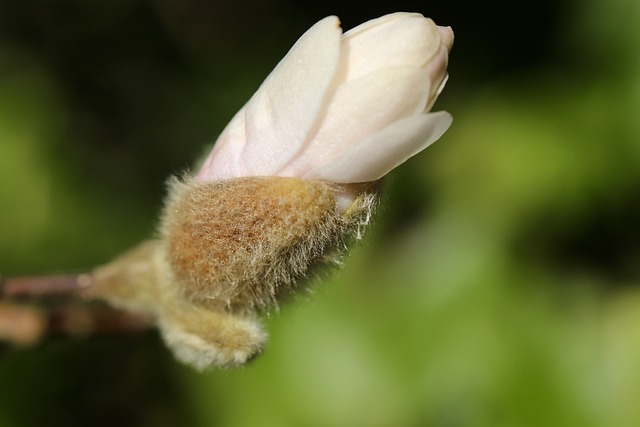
x=343, y=109
x=289, y=182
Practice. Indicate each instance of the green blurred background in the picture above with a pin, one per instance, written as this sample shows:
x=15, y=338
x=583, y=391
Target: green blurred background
x=500, y=284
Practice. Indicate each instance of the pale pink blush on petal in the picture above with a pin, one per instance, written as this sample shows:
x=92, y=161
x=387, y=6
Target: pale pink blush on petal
x=377, y=155
x=284, y=109
x=447, y=36
x=223, y=160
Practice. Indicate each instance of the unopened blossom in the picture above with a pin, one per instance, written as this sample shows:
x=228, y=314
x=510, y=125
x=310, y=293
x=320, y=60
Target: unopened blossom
x=343, y=108
x=290, y=181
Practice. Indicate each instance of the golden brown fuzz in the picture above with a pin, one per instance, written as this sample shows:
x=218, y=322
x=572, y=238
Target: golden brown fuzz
x=226, y=250
x=241, y=243
x=205, y=338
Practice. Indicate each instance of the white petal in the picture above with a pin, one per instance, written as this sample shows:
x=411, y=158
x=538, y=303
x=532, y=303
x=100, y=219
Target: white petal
x=394, y=40
x=361, y=108
x=378, y=154
x=284, y=109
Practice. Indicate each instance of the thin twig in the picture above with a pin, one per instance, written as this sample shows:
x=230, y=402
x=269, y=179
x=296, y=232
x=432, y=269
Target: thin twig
x=44, y=286
x=24, y=320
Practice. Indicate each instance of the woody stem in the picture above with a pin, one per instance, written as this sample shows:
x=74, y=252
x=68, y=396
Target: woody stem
x=24, y=319
x=36, y=287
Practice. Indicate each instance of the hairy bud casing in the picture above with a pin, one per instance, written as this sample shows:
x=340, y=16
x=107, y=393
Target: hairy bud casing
x=239, y=244
x=227, y=251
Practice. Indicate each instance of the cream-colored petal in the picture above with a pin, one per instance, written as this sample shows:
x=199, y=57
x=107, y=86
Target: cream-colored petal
x=375, y=156
x=405, y=40
x=284, y=109
x=361, y=108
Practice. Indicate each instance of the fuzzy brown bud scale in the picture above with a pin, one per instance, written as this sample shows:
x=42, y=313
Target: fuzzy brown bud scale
x=241, y=243
x=227, y=251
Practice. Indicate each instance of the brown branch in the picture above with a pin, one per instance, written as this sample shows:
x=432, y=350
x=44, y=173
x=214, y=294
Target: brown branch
x=24, y=320
x=44, y=286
